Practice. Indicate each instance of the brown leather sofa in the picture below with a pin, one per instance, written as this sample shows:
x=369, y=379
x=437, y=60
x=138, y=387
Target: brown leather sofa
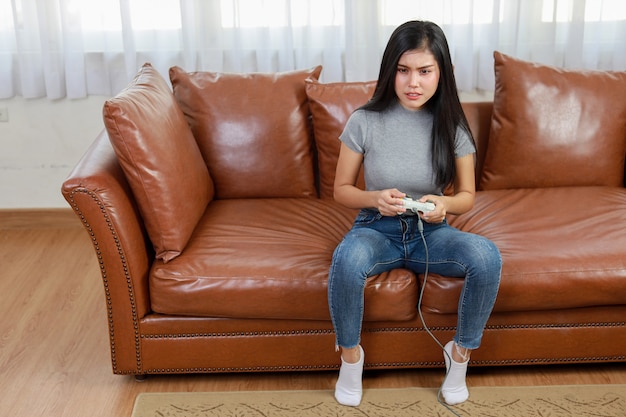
x=210, y=209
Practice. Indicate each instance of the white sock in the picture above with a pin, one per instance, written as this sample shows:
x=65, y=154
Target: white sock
x=349, y=387
x=454, y=389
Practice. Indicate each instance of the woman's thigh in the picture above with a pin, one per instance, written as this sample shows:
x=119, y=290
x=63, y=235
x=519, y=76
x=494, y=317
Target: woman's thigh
x=365, y=252
x=452, y=252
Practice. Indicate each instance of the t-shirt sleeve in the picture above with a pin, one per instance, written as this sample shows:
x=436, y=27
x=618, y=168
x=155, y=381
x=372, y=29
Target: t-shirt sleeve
x=353, y=134
x=463, y=144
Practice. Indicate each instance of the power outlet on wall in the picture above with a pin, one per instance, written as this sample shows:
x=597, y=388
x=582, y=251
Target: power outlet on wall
x=4, y=114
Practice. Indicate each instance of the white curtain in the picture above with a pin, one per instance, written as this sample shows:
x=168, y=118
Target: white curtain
x=75, y=48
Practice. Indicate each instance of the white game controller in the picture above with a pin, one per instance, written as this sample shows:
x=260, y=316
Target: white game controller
x=416, y=206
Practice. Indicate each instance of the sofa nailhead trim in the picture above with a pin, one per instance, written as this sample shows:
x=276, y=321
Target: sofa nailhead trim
x=381, y=330
x=503, y=327
x=236, y=334
x=383, y=365
x=103, y=272
x=557, y=325
x=552, y=360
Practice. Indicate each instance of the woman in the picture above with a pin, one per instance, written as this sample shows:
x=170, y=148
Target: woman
x=412, y=138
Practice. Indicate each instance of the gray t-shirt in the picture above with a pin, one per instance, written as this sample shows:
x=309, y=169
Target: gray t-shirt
x=396, y=147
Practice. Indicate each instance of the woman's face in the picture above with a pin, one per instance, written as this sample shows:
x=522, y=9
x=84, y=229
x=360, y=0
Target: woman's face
x=417, y=78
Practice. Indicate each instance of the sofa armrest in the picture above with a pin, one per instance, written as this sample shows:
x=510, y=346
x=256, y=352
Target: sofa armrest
x=100, y=196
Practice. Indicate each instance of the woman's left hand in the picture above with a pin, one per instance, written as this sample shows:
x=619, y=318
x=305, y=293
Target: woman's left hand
x=438, y=215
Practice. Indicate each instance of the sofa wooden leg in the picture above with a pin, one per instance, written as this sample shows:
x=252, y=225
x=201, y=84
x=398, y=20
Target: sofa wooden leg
x=140, y=378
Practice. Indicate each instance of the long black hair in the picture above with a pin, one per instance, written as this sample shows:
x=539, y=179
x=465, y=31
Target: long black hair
x=445, y=105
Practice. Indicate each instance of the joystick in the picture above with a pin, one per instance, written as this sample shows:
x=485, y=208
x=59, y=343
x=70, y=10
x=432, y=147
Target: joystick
x=416, y=206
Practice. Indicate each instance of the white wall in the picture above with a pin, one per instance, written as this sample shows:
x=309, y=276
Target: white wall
x=43, y=140
x=40, y=144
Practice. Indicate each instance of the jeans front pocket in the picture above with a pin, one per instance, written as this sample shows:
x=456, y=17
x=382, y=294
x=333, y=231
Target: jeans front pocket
x=366, y=217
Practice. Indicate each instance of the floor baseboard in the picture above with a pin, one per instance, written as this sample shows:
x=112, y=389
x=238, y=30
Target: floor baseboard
x=52, y=218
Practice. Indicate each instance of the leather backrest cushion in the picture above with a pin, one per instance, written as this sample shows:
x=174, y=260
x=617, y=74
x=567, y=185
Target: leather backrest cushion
x=553, y=127
x=331, y=105
x=160, y=159
x=253, y=130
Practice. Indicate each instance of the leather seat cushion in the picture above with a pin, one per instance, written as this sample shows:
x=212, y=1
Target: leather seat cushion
x=561, y=248
x=269, y=258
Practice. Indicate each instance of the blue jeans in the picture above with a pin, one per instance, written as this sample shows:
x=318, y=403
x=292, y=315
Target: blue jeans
x=378, y=243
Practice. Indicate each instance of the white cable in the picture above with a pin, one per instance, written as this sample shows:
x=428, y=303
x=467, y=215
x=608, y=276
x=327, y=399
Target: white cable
x=420, y=227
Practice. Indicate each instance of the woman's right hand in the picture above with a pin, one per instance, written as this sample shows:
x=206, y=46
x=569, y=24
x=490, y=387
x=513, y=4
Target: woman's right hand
x=389, y=202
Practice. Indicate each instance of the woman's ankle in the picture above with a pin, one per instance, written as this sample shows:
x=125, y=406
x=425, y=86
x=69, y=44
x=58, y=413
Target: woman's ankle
x=351, y=355
x=460, y=354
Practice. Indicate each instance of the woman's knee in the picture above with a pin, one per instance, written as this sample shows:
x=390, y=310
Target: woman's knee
x=485, y=252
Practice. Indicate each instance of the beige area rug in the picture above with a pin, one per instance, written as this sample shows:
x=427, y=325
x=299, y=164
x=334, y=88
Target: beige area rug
x=545, y=401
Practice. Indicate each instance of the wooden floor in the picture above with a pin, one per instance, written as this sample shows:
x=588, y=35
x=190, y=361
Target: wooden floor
x=54, y=353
